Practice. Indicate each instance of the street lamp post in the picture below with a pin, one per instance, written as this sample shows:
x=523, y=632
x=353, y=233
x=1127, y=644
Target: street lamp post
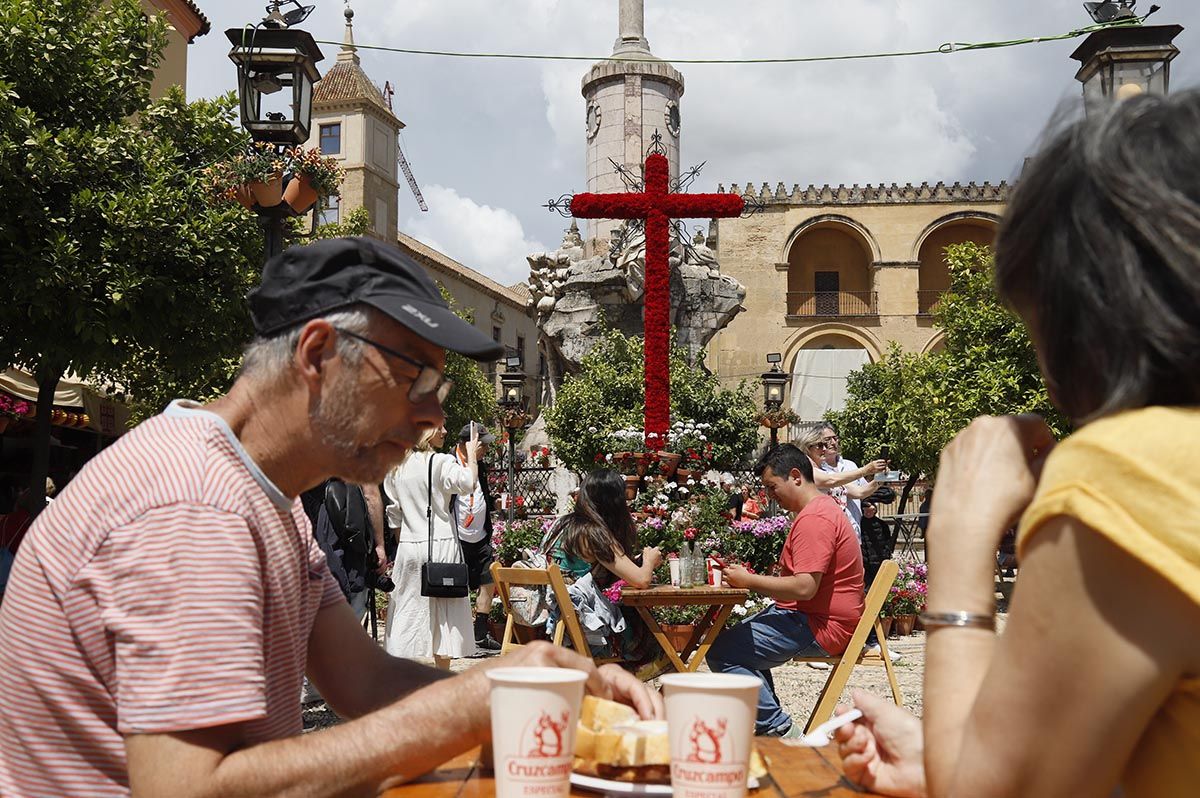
x=774, y=382
x=512, y=404
x=1125, y=59
x=277, y=67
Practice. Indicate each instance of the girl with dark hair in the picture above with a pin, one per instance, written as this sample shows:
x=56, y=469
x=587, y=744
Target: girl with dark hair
x=596, y=545
x=1093, y=688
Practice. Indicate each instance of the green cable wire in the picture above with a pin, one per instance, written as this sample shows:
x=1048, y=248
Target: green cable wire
x=945, y=49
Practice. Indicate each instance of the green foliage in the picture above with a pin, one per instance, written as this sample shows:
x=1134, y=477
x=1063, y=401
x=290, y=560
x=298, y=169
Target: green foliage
x=915, y=404
x=115, y=262
x=473, y=397
x=355, y=223
x=607, y=395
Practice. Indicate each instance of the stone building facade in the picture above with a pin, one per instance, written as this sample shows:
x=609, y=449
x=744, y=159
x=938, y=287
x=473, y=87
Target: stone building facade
x=834, y=275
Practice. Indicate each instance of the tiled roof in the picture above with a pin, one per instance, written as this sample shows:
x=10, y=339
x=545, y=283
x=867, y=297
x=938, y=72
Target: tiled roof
x=346, y=80
x=205, y=25
x=447, y=265
x=520, y=290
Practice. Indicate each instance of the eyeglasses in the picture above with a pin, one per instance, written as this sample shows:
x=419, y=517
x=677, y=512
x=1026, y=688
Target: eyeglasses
x=428, y=380
x=830, y=439
x=819, y=445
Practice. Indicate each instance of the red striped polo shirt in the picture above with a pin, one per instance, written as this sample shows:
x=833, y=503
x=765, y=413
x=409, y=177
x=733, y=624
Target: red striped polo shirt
x=170, y=587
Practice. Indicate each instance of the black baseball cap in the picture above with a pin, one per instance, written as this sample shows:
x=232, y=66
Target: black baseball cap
x=484, y=435
x=305, y=282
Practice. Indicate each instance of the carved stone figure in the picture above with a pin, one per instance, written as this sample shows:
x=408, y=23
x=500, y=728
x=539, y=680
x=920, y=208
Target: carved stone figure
x=577, y=299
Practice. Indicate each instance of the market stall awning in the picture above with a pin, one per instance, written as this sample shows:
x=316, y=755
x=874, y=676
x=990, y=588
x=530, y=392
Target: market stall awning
x=106, y=415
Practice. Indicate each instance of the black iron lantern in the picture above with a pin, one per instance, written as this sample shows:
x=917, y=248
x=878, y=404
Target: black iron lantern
x=1126, y=60
x=277, y=68
x=512, y=384
x=774, y=382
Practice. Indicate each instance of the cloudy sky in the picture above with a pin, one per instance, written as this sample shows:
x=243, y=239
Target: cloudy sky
x=491, y=140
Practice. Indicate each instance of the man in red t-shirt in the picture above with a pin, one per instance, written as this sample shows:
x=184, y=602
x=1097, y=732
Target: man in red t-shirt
x=818, y=594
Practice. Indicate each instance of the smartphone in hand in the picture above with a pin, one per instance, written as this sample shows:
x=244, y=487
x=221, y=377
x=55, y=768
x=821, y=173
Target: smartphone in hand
x=885, y=453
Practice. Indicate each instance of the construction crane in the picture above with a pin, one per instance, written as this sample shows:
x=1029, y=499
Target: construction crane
x=388, y=91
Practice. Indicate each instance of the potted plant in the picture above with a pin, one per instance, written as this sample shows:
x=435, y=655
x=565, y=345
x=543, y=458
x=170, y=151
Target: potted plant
x=313, y=176
x=775, y=419
x=678, y=623
x=497, y=618
x=542, y=456
x=906, y=597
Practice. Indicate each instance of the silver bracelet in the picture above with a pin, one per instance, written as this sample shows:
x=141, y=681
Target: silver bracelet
x=968, y=620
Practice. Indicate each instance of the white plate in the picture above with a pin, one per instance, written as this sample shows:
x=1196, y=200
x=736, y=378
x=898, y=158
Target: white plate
x=627, y=787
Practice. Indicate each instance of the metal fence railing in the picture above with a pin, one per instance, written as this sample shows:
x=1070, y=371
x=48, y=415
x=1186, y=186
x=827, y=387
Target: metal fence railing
x=832, y=303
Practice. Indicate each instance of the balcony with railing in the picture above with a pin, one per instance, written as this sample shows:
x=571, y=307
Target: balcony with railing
x=927, y=301
x=810, y=304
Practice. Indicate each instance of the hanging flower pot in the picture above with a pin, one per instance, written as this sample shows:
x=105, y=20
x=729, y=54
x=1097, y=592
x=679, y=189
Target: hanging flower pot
x=668, y=462
x=268, y=193
x=682, y=475
x=300, y=193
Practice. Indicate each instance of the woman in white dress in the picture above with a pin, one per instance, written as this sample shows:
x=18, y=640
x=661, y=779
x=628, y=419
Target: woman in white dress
x=418, y=626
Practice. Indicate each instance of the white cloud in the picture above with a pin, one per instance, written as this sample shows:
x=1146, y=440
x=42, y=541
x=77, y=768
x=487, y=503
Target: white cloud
x=489, y=240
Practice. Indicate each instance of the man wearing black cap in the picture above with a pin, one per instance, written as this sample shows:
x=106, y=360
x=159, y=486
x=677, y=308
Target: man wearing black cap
x=473, y=517
x=178, y=592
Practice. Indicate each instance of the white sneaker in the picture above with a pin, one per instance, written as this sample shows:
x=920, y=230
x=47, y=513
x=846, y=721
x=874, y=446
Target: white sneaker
x=818, y=666
x=874, y=649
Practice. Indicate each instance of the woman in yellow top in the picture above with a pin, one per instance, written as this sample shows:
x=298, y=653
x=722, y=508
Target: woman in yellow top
x=1092, y=689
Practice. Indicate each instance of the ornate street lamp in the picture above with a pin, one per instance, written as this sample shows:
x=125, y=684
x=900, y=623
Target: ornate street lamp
x=774, y=382
x=270, y=62
x=1127, y=58
x=512, y=406
x=277, y=67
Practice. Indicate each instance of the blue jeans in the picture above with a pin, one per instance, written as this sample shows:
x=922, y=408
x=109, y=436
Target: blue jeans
x=761, y=642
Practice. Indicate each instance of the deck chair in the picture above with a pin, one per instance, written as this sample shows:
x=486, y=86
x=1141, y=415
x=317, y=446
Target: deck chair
x=842, y=665
x=551, y=577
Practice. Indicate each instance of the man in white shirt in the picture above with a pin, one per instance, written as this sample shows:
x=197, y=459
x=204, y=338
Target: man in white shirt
x=472, y=514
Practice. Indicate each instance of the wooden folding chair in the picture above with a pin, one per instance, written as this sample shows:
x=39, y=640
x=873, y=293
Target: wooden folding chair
x=841, y=666
x=551, y=577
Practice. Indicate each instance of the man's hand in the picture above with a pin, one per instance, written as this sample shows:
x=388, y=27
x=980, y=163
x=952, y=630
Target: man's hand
x=876, y=467
x=381, y=560
x=609, y=681
x=736, y=575
x=884, y=751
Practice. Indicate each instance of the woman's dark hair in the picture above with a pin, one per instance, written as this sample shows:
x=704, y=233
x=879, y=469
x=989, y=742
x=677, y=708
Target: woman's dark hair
x=782, y=458
x=1099, y=254
x=600, y=520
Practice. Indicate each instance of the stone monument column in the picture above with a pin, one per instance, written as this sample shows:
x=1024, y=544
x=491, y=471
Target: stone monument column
x=626, y=102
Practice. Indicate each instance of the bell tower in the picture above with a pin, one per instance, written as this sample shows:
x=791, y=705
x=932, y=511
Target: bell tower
x=628, y=97
x=353, y=122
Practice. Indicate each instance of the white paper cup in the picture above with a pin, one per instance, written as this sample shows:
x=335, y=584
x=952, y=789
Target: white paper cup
x=710, y=720
x=534, y=715
x=715, y=576
x=674, y=566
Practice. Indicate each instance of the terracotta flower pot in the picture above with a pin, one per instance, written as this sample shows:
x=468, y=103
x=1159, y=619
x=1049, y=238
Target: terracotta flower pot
x=668, y=462
x=678, y=634
x=904, y=624
x=682, y=475
x=300, y=193
x=268, y=193
x=632, y=482
x=886, y=622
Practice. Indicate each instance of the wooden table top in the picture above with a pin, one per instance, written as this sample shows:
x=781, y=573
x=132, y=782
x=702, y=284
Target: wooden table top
x=795, y=773
x=667, y=596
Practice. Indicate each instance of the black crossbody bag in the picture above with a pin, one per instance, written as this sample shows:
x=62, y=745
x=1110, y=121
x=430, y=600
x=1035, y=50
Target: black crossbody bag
x=441, y=579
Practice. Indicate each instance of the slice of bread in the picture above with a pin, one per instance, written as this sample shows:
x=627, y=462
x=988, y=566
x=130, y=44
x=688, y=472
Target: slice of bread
x=612, y=743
